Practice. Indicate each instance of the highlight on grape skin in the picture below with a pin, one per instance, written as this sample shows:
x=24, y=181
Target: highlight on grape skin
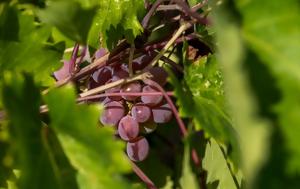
x=138, y=150
x=128, y=128
x=151, y=100
x=113, y=112
x=141, y=112
x=162, y=114
x=131, y=88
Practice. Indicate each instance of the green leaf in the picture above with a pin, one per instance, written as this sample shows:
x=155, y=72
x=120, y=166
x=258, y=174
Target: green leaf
x=30, y=53
x=116, y=14
x=70, y=18
x=98, y=158
x=218, y=172
x=29, y=143
x=204, y=84
x=188, y=179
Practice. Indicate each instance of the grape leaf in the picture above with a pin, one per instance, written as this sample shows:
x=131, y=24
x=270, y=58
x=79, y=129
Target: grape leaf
x=188, y=179
x=28, y=146
x=217, y=168
x=203, y=83
x=29, y=52
x=70, y=18
x=114, y=14
x=273, y=37
x=91, y=149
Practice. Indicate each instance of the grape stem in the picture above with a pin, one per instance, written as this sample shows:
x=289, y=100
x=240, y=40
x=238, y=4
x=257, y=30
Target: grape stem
x=181, y=125
x=146, y=19
x=131, y=53
x=80, y=99
x=73, y=58
x=143, y=176
x=180, y=30
x=102, y=88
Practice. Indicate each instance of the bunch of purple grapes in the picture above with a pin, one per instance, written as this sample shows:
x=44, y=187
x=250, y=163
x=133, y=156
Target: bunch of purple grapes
x=133, y=115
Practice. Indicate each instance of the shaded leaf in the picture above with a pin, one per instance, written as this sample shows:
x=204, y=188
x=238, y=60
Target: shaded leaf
x=92, y=151
x=218, y=172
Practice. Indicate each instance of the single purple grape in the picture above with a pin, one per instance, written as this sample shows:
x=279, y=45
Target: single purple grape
x=100, y=52
x=159, y=75
x=128, y=128
x=132, y=87
x=114, y=89
x=162, y=114
x=138, y=150
x=120, y=71
x=113, y=112
x=102, y=75
x=141, y=112
x=141, y=62
x=151, y=100
x=63, y=72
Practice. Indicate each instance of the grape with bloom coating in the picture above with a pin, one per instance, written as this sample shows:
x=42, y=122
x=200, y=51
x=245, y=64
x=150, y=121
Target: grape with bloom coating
x=128, y=128
x=102, y=75
x=138, y=150
x=113, y=112
x=132, y=87
x=114, y=89
x=141, y=112
x=162, y=114
x=151, y=100
x=159, y=75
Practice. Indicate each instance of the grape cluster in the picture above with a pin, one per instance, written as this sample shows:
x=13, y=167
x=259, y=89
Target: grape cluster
x=133, y=115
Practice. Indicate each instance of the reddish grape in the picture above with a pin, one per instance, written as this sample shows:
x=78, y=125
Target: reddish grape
x=100, y=52
x=102, y=75
x=112, y=114
x=141, y=112
x=114, y=89
x=128, y=128
x=138, y=150
x=151, y=100
x=159, y=75
x=120, y=71
x=63, y=72
x=141, y=62
x=162, y=114
x=132, y=87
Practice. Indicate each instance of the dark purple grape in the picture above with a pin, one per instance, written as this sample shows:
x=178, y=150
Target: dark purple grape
x=141, y=112
x=151, y=100
x=141, y=62
x=162, y=114
x=148, y=127
x=102, y=75
x=128, y=128
x=138, y=150
x=114, y=89
x=92, y=84
x=113, y=112
x=120, y=71
x=132, y=87
x=159, y=75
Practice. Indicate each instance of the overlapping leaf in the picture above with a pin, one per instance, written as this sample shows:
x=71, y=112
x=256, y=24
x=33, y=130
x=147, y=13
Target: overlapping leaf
x=29, y=144
x=23, y=46
x=98, y=158
x=218, y=172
